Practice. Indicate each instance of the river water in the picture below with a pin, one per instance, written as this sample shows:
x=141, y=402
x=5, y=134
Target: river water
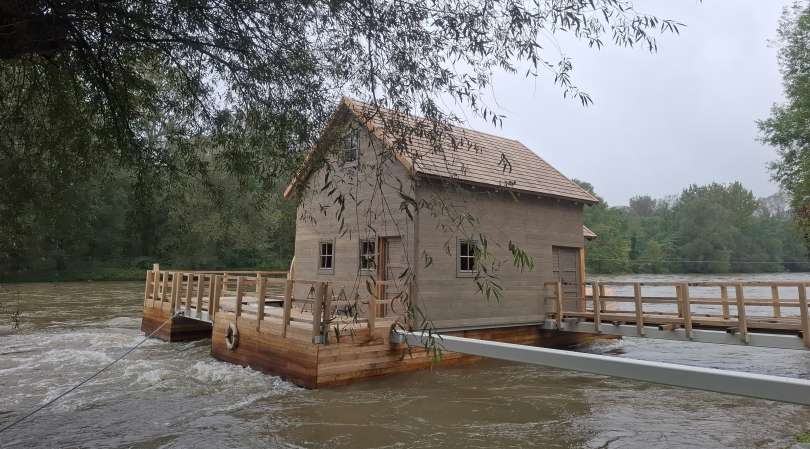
x=176, y=395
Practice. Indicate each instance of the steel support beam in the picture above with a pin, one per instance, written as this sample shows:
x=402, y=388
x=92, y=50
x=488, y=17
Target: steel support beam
x=775, y=388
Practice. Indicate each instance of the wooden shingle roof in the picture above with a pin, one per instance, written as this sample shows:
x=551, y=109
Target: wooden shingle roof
x=428, y=149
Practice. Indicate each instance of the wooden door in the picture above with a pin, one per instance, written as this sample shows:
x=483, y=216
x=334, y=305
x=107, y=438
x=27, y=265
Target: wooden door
x=393, y=265
x=565, y=263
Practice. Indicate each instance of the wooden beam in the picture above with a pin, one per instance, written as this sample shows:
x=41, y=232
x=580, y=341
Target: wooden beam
x=285, y=321
x=327, y=313
x=803, y=314
x=597, y=306
x=261, y=290
x=777, y=311
x=164, y=283
x=639, y=309
x=724, y=298
x=213, y=306
x=742, y=323
x=581, y=287
x=687, y=310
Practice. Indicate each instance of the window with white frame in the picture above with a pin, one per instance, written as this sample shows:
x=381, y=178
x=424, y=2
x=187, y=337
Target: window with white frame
x=326, y=256
x=351, y=146
x=368, y=254
x=466, y=256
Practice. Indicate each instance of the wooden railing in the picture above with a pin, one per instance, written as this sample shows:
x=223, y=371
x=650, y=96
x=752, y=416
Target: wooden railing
x=268, y=297
x=780, y=306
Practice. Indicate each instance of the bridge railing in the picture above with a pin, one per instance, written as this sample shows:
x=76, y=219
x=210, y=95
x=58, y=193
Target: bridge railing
x=779, y=306
x=296, y=307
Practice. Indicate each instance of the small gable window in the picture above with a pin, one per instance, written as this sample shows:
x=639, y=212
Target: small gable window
x=368, y=254
x=326, y=256
x=351, y=146
x=466, y=256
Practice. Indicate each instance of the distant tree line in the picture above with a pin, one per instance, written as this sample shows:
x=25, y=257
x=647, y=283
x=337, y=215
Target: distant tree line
x=103, y=226
x=715, y=228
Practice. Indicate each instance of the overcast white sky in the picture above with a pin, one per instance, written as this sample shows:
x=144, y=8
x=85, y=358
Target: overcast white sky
x=660, y=121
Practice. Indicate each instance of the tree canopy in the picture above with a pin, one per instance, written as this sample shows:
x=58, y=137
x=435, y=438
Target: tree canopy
x=787, y=127
x=158, y=96
x=714, y=228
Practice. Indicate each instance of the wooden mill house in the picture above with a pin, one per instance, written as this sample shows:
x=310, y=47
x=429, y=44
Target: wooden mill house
x=394, y=210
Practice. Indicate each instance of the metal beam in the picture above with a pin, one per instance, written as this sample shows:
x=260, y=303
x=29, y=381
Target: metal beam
x=783, y=389
x=782, y=341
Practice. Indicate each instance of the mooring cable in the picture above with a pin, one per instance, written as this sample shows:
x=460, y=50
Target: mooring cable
x=129, y=351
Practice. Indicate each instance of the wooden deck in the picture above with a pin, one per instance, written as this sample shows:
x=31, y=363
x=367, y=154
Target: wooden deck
x=778, y=307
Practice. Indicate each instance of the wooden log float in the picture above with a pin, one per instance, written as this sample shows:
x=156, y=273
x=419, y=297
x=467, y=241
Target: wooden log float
x=639, y=309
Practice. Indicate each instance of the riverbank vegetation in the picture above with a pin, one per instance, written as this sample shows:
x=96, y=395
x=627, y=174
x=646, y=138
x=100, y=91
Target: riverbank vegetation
x=715, y=228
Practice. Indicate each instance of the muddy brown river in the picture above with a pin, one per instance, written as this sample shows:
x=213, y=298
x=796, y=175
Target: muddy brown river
x=177, y=396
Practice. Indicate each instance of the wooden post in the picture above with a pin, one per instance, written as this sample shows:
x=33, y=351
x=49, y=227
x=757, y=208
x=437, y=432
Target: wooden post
x=372, y=310
x=176, y=280
x=238, y=296
x=199, y=295
x=189, y=290
x=285, y=320
x=687, y=310
x=742, y=324
x=803, y=314
x=597, y=306
x=327, y=313
x=164, y=284
x=724, y=296
x=559, y=305
x=317, y=311
x=777, y=310
x=261, y=291
x=678, y=301
x=639, y=309
x=213, y=301
x=212, y=289
x=156, y=282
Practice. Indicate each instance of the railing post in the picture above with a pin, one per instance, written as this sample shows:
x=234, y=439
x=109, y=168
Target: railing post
x=678, y=302
x=285, y=320
x=189, y=290
x=803, y=314
x=777, y=310
x=317, y=312
x=155, y=282
x=742, y=323
x=176, y=280
x=559, y=305
x=687, y=310
x=639, y=309
x=724, y=297
x=261, y=290
x=238, y=309
x=372, y=309
x=597, y=306
x=163, y=284
x=327, y=313
x=213, y=301
x=200, y=281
